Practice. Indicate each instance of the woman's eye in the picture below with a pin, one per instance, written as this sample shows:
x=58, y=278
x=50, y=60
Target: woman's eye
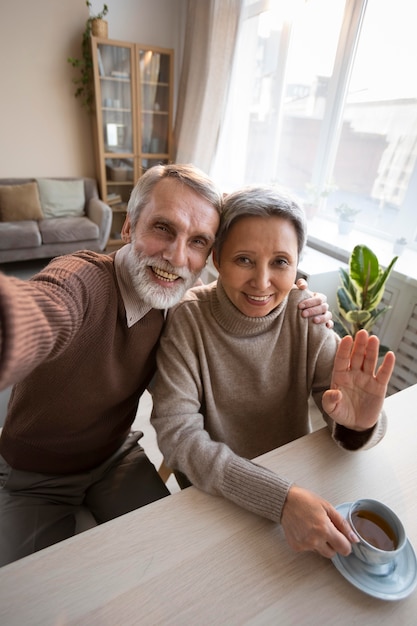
x=281, y=262
x=243, y=260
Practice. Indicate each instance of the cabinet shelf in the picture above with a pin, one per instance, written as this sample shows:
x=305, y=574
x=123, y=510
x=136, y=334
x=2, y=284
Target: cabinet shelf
x=154, y=83
x=119, y=209
x=114, y=79
x=154, y=112
x=116, y=109
x=155, y=155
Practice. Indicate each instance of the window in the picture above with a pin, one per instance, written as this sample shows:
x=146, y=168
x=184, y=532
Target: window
x=323, y=100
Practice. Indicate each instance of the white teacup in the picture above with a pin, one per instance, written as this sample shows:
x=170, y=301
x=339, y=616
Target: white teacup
x=381, y=535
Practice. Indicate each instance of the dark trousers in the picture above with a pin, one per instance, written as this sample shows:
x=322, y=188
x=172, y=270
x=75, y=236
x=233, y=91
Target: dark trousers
x=38, y=510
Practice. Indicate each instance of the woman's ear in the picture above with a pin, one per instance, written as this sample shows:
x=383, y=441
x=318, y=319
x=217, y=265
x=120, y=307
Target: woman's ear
x=127, y=230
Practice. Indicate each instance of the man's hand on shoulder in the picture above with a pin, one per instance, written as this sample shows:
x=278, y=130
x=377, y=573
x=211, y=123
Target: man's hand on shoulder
x=315, y=306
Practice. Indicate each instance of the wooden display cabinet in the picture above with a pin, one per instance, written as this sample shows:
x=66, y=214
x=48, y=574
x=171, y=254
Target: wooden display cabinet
x=133, y=87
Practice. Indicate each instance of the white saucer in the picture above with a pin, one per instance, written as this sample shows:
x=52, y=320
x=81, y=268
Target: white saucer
x=395, y=586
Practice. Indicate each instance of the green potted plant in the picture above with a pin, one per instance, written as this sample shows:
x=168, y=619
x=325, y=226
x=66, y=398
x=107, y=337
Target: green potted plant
x=84, y=82
x=346, y=215
x=359, y=297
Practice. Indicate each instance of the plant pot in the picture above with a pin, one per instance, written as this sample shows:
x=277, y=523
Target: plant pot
x=100, y=28
x=311, y=210
x=345, y=227
x=398, y=248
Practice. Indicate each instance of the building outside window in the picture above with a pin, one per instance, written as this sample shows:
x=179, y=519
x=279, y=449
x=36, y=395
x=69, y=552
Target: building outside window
x=323, y=100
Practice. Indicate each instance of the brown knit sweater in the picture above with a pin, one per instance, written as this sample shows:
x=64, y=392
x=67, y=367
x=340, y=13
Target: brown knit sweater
x=64, y=335
x=231, y=387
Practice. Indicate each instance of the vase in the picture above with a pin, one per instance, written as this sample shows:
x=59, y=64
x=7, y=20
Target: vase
x=345, y=227
x=311, y=210
x=398, y=248
x=100, y=28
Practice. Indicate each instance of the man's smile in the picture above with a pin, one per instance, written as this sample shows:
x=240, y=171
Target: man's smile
x=165, y=276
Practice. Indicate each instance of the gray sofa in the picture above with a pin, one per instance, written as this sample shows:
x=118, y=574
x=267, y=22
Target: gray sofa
x=44, y=218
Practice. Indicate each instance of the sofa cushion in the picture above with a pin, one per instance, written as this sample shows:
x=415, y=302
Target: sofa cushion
x=23, y=234
x=61, y=198
x=20, y=202
x=61, y=229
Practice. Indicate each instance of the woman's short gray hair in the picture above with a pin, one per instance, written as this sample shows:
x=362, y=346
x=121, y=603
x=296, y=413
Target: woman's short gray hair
x=260, y=202
x=188, y=175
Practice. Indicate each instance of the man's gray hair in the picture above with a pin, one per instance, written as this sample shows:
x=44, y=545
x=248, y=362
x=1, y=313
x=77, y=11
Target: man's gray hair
x=188, y=175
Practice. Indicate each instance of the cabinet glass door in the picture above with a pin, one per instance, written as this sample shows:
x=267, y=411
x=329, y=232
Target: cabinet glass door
x=154, y=96
x=115, y=72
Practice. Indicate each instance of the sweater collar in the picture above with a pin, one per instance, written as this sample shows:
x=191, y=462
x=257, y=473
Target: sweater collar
x=235, y=322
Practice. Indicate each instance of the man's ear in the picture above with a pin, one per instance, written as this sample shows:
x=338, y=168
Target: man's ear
x=127, y=230
x=215, y=260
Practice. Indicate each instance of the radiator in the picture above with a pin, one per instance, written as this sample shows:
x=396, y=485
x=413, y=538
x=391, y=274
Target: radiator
x=405, y=372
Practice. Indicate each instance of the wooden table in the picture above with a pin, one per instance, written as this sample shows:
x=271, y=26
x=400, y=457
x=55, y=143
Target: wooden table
x=193, y=559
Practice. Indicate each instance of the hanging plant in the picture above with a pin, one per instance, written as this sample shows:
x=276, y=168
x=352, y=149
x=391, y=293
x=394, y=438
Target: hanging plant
x=84, y=82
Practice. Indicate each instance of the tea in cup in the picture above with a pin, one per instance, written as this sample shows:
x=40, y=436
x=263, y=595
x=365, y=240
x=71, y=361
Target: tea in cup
x=381, y=535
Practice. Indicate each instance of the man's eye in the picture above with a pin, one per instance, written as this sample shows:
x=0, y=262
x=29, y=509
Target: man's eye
x=201, y=243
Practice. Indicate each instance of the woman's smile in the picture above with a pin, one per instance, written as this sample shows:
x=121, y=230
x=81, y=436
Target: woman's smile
x=258, y=300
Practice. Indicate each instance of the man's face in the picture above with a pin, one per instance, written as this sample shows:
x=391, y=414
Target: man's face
x=170, y=243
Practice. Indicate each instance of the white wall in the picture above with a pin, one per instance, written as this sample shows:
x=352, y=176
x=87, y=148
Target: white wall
x=44, y=131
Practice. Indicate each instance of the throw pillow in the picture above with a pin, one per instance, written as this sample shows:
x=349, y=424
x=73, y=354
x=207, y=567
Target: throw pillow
x=20, y=202
x=61, y=198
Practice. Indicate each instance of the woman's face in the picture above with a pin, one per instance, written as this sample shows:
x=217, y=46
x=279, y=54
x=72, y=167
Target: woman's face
x=258, y=263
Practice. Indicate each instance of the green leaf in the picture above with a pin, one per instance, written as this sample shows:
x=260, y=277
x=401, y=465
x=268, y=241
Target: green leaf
x=376, y=314
x=351, y=289
x=364, y=266
x=379, y=287
x=340, y=327
x=383, y=350
x=359, y=318
x=344, y=301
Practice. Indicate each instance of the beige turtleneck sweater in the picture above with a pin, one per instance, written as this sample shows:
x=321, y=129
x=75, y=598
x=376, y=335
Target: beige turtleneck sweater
x=231, y=387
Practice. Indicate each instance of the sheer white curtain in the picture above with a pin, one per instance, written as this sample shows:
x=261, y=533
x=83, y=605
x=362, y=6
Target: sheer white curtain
x=209, y=45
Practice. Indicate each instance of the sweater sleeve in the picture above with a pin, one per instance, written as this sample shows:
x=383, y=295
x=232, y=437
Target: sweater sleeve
x=37, y=320
x=187, y=446
x=353, y=440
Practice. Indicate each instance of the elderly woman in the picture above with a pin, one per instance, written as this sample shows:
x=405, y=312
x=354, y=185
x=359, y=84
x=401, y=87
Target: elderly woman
x=237, y=365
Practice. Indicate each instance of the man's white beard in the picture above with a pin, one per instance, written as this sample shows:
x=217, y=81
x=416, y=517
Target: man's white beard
x=158, y=296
